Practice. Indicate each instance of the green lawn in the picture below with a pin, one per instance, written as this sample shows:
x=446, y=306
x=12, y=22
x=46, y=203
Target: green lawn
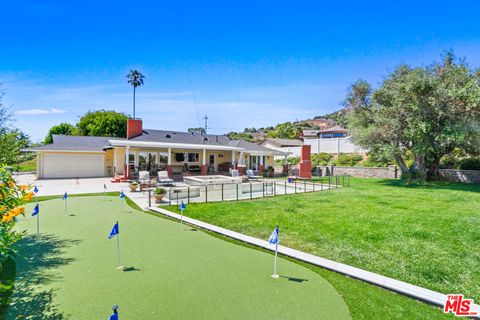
x=68, y=272
x=424, y=235
x=26, y=166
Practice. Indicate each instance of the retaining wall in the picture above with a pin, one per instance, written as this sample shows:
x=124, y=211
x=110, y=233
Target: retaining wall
x=468, y=176
x=390, y=172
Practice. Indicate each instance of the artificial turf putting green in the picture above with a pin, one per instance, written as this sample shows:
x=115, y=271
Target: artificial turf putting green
x=68, y=272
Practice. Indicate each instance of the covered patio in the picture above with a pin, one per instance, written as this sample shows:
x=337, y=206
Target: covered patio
x=131, y=157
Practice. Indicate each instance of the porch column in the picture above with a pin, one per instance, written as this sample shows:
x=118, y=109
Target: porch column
x=169, y=167
x=204, y=167
x=114, y=161
x=261, y=165
x=234, y=165
x=241, y=164
x=126, y=170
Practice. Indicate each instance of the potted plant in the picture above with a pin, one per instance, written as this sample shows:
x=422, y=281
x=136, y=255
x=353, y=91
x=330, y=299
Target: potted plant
x=159, y=193
x=133, y=186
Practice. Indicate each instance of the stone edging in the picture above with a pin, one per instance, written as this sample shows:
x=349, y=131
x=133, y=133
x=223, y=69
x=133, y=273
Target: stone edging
x=419, y=293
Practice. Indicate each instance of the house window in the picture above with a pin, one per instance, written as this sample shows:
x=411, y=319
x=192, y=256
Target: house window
x=131, y=158
x=163, y=158
x=142, y=158
x=193, y=157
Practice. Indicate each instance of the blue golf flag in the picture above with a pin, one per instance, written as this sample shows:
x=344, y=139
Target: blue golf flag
x=122, y=195
x=274, y=237
x=183, y=206
x=36, y=210
x=65, y=196
x=114, y=231
x=35, y=190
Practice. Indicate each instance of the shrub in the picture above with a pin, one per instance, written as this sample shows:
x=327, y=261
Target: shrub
x=295, y=160
x=160, y=191
x=345, y=159
x=469, y=164
x=373, y=161
x=12, y=199
x=321, y=159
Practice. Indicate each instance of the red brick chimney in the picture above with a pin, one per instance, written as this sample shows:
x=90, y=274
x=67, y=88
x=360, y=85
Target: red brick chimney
x=134, y=128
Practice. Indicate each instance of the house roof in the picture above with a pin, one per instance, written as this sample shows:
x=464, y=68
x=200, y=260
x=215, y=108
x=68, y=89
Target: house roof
x=309, y=133
x=336, y=128
x=75, y=143
x=151, y=135
x=284, y=142
x=253, y=147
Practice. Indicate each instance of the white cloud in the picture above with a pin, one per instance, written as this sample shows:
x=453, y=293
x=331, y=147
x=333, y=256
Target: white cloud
x=32, y=112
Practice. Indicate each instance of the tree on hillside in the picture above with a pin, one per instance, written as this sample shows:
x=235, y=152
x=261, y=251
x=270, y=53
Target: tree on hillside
x=424, y=113
x=135, y=78
x=103, y=123
x=286, y=131
x=62, y=128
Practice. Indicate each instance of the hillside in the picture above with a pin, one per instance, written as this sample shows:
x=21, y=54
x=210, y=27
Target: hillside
x=292, y=130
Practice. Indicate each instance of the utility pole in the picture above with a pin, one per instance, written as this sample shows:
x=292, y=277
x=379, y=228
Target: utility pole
x=206, y=127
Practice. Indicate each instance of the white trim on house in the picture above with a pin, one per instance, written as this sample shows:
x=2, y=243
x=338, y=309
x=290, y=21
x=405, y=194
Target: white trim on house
x=148, y=144
x=65, y=151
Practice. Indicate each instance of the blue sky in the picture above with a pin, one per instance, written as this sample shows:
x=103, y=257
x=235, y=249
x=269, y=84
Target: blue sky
x=242, y=63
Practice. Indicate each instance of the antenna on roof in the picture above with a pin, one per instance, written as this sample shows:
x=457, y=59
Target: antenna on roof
x=206, y=127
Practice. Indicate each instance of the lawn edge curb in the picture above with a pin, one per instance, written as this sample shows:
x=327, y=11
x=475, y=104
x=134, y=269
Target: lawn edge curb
x=407, y=289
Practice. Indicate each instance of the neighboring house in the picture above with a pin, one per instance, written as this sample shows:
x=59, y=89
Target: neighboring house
x=290, y=146
x=146, y=149
x=332, y=140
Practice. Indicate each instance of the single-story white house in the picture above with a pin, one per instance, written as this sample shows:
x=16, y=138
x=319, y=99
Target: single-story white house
x=289, y=146
x=151, y=150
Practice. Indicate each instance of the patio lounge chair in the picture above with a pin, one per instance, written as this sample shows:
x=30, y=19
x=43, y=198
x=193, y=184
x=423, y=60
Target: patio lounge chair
x=163, y=178
x=251, y=176
x=144, y=177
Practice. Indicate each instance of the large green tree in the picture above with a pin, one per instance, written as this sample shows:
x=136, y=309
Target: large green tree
x=421, y=113
x=12, y=140
x=103, y=123
x=62, y=128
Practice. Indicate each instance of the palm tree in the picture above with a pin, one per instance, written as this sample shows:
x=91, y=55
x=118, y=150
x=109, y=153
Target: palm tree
x=135, y=78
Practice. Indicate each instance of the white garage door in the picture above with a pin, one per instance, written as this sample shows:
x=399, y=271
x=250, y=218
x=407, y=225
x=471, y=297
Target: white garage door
x=73, y=166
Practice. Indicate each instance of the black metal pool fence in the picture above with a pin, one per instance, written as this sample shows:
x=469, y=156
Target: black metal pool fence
x=252, y=189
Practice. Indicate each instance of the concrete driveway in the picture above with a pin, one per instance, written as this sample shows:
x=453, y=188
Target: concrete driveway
x=81, y=185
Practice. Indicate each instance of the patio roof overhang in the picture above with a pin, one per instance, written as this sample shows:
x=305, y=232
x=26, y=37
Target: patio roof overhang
x=148, y=144
x=267, y=153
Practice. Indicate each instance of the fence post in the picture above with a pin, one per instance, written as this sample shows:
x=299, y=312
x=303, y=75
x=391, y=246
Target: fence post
x=304, y=185
x=313, y=186
x=170, y=196
x=250, y=191
x=295, y=185
x=222, y=191
x=285, y=187
x=206, y=193
x=274, y=188
x=188, y=194
x=263, y=188
x=237, y=190
x=329, y=179
x=149, y=197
